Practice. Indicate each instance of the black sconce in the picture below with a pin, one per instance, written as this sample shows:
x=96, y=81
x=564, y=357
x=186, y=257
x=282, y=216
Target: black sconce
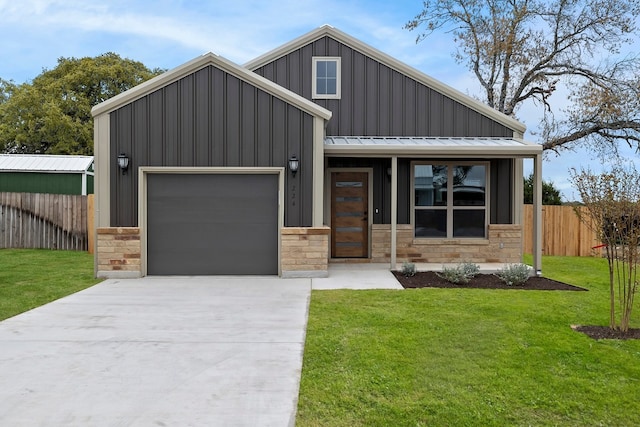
x=294, y=163
x=123, y=163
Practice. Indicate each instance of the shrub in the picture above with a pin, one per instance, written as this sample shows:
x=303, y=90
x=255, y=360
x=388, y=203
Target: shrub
x=461, y=273
x=408, y=269
x=514, y=274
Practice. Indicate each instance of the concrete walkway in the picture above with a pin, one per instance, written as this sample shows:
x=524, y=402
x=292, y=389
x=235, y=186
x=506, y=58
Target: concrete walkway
x=195, y=351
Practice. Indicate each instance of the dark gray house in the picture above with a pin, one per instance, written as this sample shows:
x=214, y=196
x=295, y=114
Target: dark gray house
x=324, y=148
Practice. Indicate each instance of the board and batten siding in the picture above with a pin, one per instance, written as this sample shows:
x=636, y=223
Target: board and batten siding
x=211, y=118
x=377, y=100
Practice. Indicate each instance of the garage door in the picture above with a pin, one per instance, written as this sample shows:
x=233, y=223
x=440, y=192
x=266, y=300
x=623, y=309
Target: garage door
x=200, y=224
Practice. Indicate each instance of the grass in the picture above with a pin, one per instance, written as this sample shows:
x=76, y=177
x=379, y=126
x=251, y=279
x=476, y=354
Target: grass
x=468, y=357
x=33, y=277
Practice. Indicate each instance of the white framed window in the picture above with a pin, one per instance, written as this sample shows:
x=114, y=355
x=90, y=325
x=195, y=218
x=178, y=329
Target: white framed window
x=326, y=77
x=450, y=199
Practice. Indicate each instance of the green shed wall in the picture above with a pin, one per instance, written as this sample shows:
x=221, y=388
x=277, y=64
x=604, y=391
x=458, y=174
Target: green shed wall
x=36, y=182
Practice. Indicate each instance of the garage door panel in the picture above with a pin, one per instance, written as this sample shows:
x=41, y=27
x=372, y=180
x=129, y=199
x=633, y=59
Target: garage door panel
x=212, y=224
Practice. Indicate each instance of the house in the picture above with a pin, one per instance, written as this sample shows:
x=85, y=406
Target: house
x=42, y=173
x=324, y=148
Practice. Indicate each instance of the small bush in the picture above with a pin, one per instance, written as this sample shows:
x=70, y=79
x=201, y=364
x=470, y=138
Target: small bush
x=514, y=274
x=461, y=273
x=408, y=269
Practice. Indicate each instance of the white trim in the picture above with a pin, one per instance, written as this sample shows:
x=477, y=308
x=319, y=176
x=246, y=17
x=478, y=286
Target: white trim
x=450, y=208
x=314, y=77
x=102, y=172
x=318, y=172
x=142, y=197
x=199, y=63
x=327, y=30
x=328, y=195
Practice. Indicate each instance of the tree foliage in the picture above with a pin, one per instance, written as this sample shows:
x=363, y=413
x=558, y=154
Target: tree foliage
x=550, y=194
x=612, y=200
x=52, y=113
x=523, y=50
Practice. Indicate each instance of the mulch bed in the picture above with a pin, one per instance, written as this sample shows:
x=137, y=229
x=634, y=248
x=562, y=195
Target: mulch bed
x=429, y=279
x=605, y=332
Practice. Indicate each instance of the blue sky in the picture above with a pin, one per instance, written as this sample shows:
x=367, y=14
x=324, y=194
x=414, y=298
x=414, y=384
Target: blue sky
x=167, y=33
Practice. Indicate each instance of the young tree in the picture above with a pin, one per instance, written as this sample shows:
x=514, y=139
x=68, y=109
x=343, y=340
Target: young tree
x=550, y=194
x=612, y=201
x=52, y=114
x=522, y=50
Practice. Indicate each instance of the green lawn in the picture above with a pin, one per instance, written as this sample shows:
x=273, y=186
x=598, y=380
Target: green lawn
x=465, y=357
x=33, y=277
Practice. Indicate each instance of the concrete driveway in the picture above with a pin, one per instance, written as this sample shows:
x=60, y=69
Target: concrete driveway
x=192, y=351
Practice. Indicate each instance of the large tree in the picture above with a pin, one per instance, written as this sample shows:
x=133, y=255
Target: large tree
x=523, y=50
x=52, y=113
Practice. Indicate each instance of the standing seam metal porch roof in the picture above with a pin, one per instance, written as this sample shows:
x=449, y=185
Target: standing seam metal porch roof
x=449, y=146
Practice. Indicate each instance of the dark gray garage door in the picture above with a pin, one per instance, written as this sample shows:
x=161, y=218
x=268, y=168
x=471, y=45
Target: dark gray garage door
x=199, y=224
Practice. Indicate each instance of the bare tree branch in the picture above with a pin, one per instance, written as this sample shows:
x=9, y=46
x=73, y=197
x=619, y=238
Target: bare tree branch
x=522, y=50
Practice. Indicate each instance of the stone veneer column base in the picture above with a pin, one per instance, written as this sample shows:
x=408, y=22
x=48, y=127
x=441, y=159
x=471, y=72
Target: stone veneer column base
x=118, y=252
x=304, y=252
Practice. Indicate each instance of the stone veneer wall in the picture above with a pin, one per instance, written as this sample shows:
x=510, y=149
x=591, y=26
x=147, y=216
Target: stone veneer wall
x=305, y=251
x=504, y=245
x=118, y=252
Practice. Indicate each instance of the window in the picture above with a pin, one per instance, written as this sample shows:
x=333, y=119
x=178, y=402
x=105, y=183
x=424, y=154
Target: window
x=326, y=78
x=450, y=200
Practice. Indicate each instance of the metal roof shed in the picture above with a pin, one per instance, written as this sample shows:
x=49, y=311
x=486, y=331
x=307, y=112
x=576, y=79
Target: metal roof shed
x=41, y=173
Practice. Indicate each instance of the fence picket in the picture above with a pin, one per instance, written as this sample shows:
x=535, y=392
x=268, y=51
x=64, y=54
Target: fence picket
x=563, y=233
x=47, y=221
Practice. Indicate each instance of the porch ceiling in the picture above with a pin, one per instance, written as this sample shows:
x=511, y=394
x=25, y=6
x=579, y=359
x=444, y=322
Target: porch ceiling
x=434, y=146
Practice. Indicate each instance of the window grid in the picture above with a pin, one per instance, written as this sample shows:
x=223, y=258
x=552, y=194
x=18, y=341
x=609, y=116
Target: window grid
x=437, y=207
x=326, y=77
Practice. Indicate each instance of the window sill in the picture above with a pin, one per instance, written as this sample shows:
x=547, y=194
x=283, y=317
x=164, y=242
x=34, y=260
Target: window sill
x=426, y=241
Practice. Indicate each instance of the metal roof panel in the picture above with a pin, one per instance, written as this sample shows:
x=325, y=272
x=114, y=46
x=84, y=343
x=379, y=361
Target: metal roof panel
x=44, y=163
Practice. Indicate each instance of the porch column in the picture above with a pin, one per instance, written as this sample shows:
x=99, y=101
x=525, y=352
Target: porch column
x=394, y=209
x=537, y=214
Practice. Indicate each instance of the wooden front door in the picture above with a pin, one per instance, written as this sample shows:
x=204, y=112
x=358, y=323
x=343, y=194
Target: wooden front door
x=349, y=214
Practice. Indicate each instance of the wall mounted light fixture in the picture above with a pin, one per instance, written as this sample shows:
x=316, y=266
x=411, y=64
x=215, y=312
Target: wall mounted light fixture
x=294, y=164
x=123, y=163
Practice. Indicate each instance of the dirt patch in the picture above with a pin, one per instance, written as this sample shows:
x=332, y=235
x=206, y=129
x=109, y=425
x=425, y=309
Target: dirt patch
x=429, y=279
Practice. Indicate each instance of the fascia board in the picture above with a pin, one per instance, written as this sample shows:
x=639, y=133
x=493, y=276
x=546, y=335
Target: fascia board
x=391, y=62
x=198, y=63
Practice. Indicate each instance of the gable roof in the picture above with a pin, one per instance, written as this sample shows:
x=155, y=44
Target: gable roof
x=365, y=49
x=210, y=59
x=44, y=163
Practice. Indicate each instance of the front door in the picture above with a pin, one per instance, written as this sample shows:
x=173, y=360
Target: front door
x=349, y=215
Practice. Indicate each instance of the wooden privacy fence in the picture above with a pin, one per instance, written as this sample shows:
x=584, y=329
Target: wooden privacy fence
x=562, y=232
x=46, y=221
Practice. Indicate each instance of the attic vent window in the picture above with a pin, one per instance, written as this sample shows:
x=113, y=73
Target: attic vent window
x=326, y=77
